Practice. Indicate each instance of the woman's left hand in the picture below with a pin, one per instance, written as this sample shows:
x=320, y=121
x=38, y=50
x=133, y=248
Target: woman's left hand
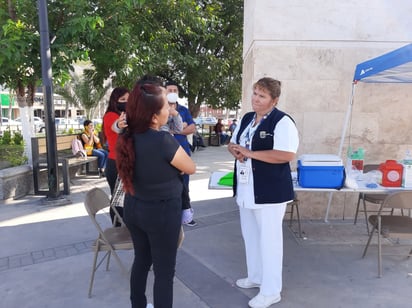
x=239, y=152
x=244, y=151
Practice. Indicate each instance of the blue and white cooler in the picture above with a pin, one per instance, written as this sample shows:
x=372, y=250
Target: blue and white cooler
x=320, y=171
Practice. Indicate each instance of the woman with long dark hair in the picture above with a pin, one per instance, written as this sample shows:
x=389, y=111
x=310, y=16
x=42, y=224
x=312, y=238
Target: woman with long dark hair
x=149, y=162
x=113, y=123
x=113, y=120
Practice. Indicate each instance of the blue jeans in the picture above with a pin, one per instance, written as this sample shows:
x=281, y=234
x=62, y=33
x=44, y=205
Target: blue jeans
x=154, y=227
x=223, y=138
x=101, y=157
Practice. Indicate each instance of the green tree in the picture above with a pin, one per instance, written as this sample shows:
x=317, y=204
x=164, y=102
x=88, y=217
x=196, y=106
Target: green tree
x=81, y=92
x=196, y=43
x=19, y=53
x=207, y=53
x=20, y=43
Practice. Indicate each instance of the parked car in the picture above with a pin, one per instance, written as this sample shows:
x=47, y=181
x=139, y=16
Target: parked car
x=97, y=121
x=7, y=121
x=80, y=120
x=205, y=121
x=11, y=125
x=64, y=124
x=39, y=124
x=60, y=122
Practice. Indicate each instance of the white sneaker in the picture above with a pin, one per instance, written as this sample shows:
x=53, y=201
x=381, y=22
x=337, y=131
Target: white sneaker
x=149, y=305
x=261, y=301
x=244, y=283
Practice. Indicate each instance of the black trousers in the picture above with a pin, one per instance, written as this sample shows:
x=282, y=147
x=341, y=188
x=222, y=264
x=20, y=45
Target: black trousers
x=111, y=177
x=185, y=193
x=111, y=173
x=154, y=227
x=185, y=197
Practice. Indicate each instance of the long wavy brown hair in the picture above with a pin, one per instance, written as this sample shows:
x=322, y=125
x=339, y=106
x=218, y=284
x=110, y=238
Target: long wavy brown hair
x=145, y=100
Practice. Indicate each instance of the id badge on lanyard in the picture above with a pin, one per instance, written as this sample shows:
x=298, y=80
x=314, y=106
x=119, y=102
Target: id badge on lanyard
x=243, y=173
x=244, y=167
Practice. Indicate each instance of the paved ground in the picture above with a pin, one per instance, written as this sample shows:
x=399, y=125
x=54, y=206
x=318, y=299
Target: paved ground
x=45, y=259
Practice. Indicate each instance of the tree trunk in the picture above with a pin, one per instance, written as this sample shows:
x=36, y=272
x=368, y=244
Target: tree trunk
x=26, y=114
x=12, y=10
x=194, y=110
x=194, y=106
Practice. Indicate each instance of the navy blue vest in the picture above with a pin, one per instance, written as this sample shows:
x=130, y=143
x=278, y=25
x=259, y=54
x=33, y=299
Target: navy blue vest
x=272, y=182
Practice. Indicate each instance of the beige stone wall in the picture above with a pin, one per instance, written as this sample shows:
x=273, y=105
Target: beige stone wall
x=313, y=48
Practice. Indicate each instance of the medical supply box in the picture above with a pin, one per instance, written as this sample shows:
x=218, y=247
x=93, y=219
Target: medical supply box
x=391, y=173
x=320, y=171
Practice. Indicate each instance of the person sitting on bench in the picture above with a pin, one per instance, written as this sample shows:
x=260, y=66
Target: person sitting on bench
x=91, y=144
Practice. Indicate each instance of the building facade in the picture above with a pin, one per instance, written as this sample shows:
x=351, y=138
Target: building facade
x=10, y=108
x=313, y=47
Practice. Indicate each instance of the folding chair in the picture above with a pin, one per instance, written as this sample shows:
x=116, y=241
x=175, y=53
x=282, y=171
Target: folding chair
x=109, y=239
x=294, y=204
x=392, y=226
x=376, y=199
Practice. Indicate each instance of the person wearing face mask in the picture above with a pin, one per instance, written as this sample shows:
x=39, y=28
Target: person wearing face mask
x=189, y=127
x=174, y=124
x=114, y=120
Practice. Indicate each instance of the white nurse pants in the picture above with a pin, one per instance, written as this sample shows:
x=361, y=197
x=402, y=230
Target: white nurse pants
x=263, y=237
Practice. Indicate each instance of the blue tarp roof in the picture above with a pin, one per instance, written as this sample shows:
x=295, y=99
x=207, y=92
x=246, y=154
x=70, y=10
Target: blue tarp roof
x=392, y=67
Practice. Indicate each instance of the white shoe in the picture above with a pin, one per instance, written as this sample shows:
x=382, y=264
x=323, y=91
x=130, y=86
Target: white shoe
x=244, y=283
x=149, y=305
x=261, y=301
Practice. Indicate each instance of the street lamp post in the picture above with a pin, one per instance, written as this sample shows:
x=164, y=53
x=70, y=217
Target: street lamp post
x=45, y=54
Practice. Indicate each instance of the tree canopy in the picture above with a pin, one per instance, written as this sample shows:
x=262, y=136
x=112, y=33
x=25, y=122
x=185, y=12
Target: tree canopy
x=193, y=42
x=81, y=92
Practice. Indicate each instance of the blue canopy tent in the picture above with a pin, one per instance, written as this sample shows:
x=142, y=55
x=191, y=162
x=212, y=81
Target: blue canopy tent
x=392, y=67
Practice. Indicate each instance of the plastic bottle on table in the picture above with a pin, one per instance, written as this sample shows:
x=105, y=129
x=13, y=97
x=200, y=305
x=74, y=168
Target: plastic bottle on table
x=407, y=170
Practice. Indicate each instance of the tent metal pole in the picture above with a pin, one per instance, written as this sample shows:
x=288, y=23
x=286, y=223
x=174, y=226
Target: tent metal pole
x=347, y=117
x=342, y=140
x=328, y=208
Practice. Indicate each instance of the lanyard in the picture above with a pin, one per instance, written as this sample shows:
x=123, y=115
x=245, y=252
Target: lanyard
x=252, y=128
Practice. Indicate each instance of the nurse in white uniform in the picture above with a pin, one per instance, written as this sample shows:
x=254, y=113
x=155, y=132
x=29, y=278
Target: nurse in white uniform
x=263, y=144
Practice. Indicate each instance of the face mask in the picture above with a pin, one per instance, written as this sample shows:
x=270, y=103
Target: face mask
x=172, y=97
x=121, y=106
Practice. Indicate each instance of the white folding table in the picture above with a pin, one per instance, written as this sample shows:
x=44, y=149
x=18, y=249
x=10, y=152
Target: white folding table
x=362, y=188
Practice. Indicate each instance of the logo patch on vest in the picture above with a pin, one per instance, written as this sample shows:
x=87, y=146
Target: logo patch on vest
x=263, y=134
